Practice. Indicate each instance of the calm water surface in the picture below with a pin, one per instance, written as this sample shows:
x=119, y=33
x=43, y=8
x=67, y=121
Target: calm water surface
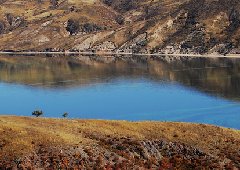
x=187, y=90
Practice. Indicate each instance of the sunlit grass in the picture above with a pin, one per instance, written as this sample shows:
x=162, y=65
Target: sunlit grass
x=21, y=134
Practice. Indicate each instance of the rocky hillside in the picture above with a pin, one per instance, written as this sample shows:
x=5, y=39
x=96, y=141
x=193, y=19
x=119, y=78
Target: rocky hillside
x=164, y=26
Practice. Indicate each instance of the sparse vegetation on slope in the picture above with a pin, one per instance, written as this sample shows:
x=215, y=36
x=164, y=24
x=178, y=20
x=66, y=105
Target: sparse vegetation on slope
x=55, y=143
x=166, y=26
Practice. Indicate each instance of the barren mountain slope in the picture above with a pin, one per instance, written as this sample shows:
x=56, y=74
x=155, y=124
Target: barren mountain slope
x=182, y=26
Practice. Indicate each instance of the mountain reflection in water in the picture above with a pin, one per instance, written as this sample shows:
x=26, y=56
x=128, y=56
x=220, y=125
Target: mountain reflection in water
x=136, y=88
x=216, y=76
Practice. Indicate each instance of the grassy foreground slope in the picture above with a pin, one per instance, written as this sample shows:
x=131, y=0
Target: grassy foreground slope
x=56, y=143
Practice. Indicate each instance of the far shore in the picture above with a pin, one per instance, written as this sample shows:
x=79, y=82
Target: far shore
x=102, y=53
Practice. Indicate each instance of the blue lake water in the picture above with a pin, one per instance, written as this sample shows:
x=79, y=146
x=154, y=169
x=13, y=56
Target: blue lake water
x=135, y=92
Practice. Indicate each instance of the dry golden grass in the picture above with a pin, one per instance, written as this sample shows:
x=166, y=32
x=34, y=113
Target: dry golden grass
x=19, y=135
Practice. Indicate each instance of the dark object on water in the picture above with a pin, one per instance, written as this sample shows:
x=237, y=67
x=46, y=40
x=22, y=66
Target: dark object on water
x=65, y=115
x=37, y=113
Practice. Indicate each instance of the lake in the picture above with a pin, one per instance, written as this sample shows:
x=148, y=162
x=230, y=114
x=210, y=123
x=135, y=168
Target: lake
x=181, y=89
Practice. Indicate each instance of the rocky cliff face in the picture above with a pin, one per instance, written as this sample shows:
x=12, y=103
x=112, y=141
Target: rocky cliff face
x=166, y=26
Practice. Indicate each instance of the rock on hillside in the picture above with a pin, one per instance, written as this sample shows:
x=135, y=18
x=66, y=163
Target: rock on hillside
x=166, y=26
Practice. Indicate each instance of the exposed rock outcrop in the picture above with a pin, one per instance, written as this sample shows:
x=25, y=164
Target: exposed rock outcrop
x=124, y=153
x=14, y=22
x=2, y=27
x=72, y=26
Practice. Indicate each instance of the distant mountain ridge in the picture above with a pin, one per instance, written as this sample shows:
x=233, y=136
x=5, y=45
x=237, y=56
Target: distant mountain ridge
x=144, y=26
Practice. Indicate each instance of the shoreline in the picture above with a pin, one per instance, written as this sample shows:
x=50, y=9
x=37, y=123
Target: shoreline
x=112, y=54
x=115, y=120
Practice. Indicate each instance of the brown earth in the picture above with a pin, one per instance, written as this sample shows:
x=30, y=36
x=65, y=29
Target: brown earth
x=166, y=26
x=90, y=144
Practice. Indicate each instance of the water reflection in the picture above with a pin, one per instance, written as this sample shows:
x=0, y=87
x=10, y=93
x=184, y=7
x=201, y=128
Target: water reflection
x=122, y=88
x=215, y=76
